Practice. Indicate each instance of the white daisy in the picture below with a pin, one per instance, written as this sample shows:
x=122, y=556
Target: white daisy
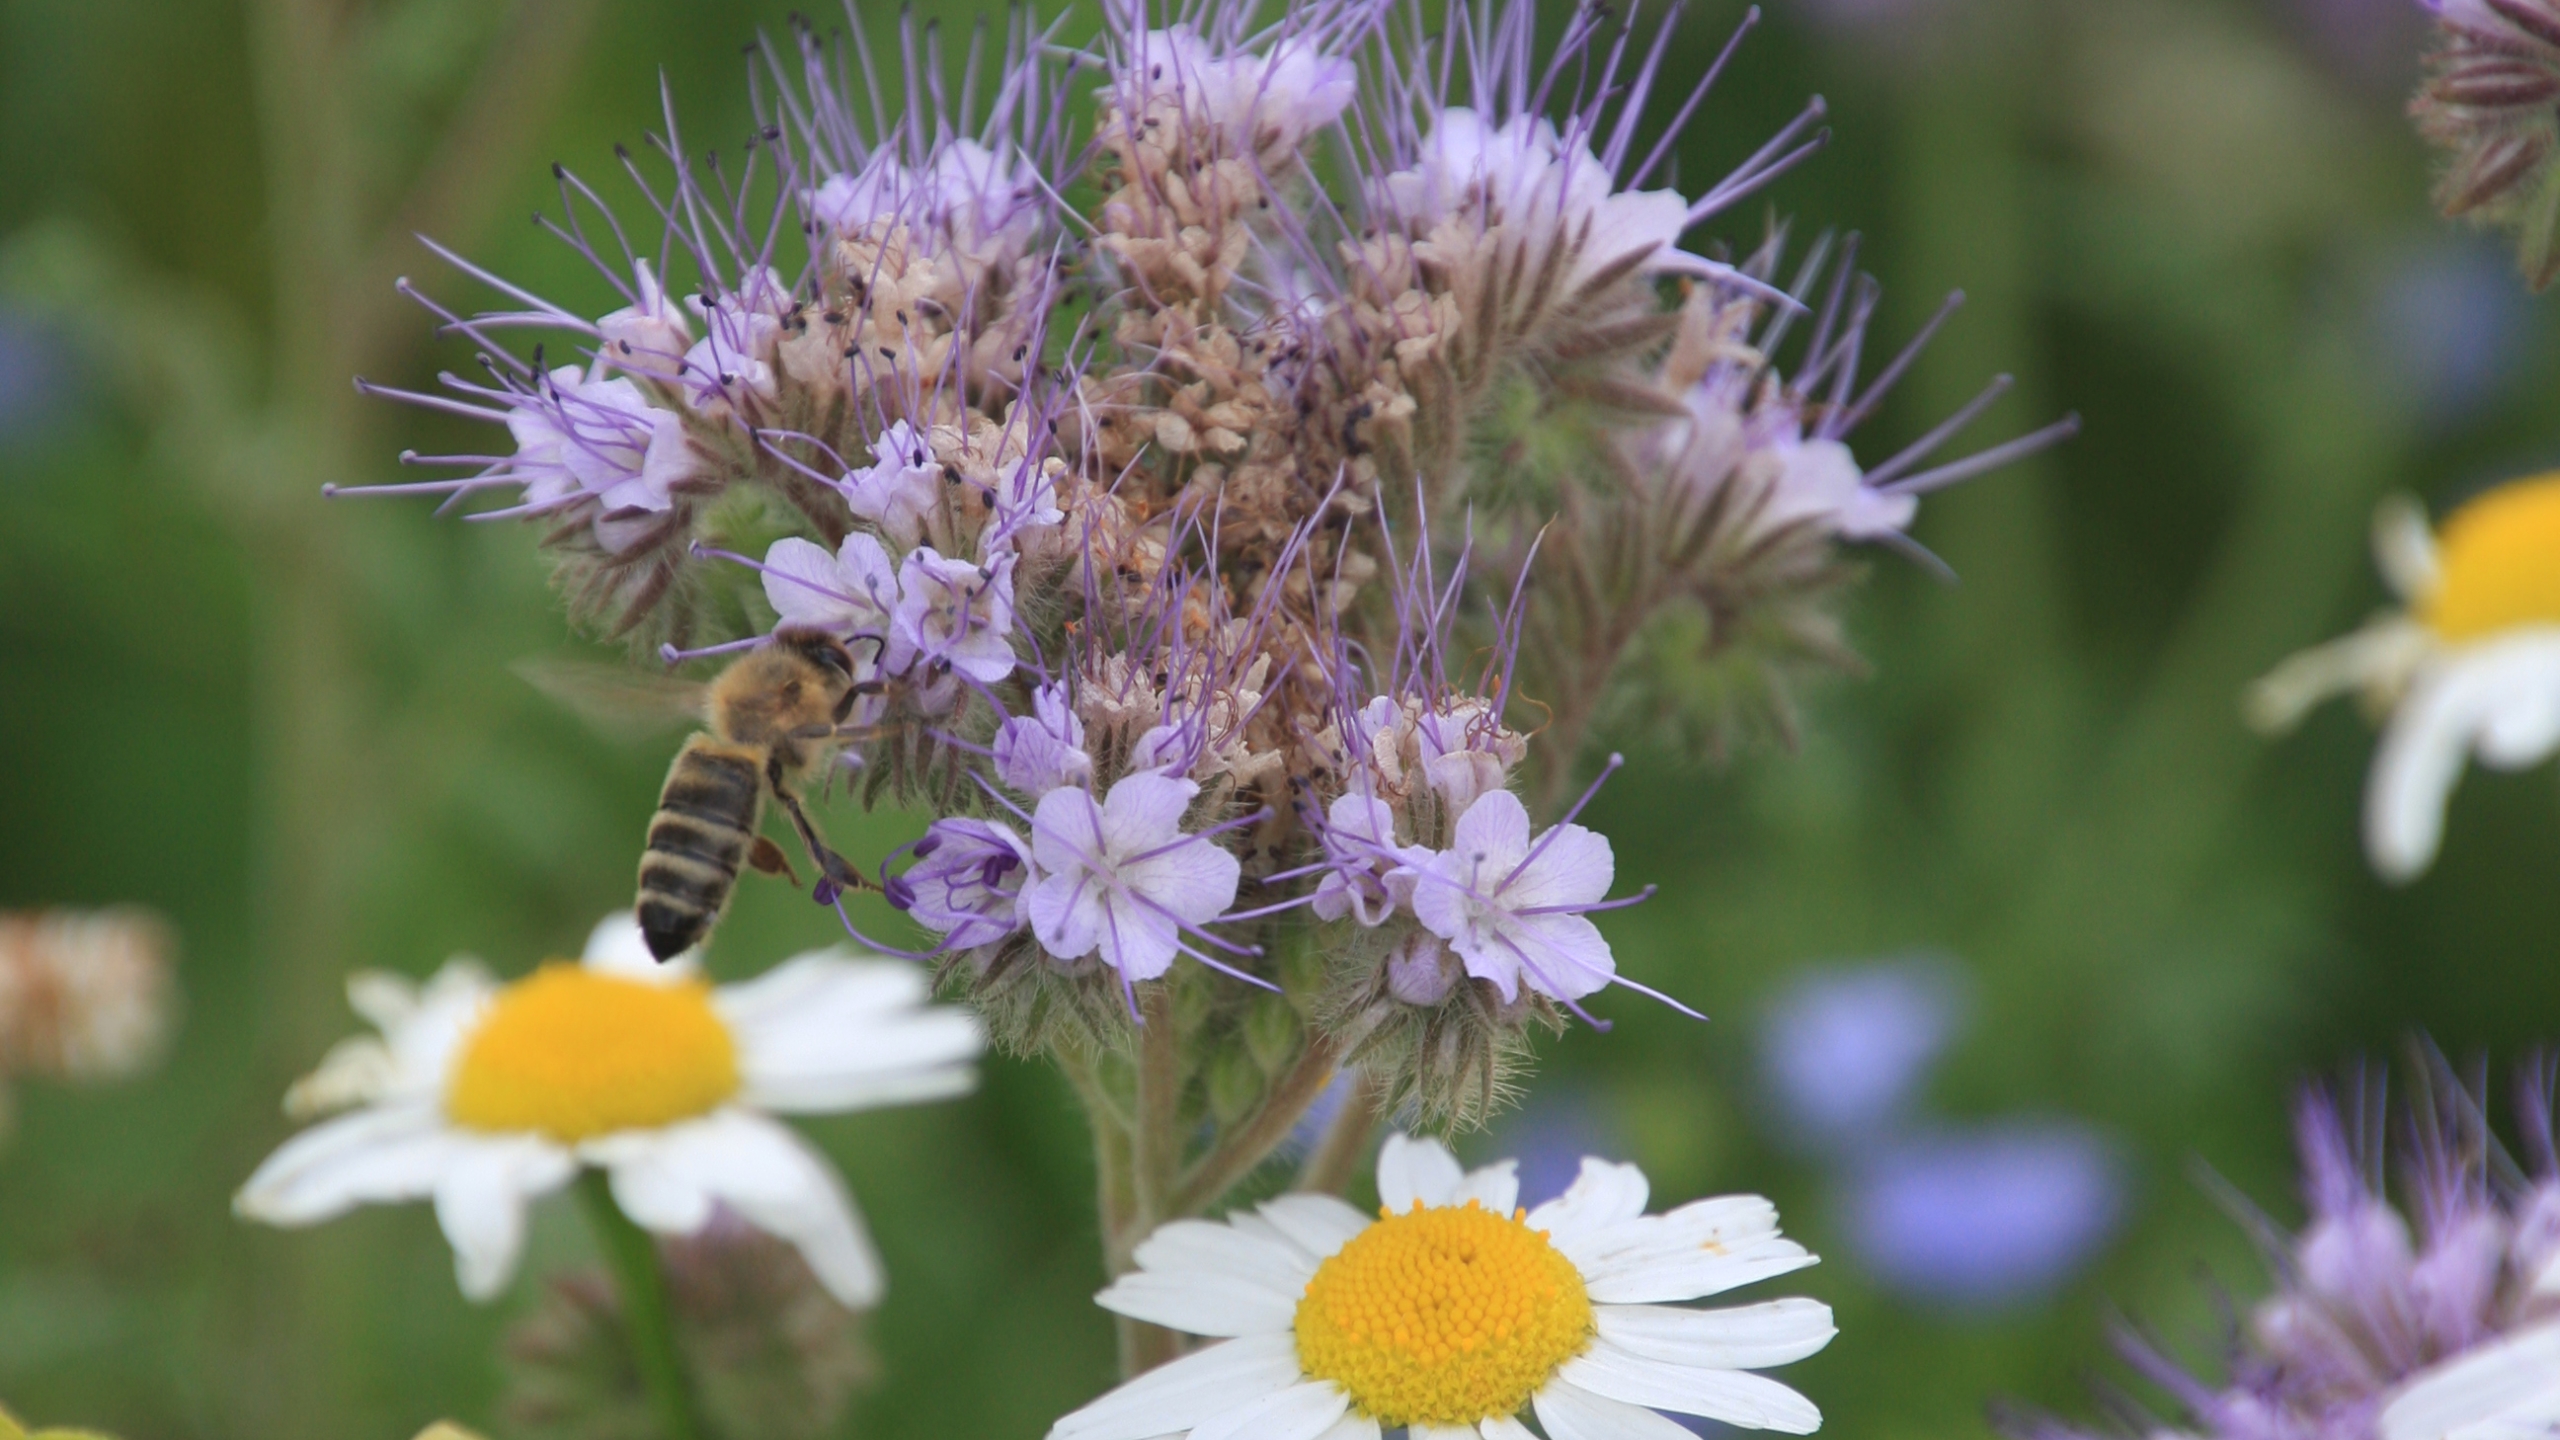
x=1453, y=1312
x=2470, y=665
x=486, y=1096
x=2508, y=1389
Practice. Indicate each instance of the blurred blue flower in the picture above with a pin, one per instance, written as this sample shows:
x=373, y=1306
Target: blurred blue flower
x=1311, y=1127
x=1844, y=1049
x=1988, y=1216
x=2448, y=329
x=34, y=376
x=1549, y=1136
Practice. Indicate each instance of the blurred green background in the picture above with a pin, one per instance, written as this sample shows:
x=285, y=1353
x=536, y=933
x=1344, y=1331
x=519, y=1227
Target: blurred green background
x=290, y=725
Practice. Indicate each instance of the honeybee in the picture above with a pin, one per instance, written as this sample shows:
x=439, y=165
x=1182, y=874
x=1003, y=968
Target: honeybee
x=771, y=720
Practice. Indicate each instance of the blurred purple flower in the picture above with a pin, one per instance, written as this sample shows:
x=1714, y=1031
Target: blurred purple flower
x=2370, y=42
x=2425, y=1311
x=1985, y=1217
x=1844, y=1049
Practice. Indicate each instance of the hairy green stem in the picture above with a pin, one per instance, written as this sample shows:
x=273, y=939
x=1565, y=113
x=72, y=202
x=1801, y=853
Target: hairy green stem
x=1155, y=1160
x=633, y=1258
x=1242, y=1149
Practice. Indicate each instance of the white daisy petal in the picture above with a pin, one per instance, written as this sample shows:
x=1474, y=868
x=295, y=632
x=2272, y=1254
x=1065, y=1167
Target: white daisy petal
x=1444, y=1432
x=1703, y=1248
x=1356, y=1426
x=1745, y=1337
x=2377, y=659
x=1411, y=1170
x=1319, y=1224
x=1642, y=1280
x=824, y=1032
x=1224, y=1250
x=385, y=1000
x=1602, y=1195
x=369, y=1156
x=1572, y=1413
x=2516, y=1378
x=1496, y=1187
x=1736, y=1397
x=763, y=1170
x=1174, y=1397
x=2501, y=696
x=1301, y=1412
x=1505, y=1427
x=1201, y=1302
x=481, y=1193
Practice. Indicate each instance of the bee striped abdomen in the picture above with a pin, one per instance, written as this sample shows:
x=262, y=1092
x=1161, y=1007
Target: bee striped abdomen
x=705, y=822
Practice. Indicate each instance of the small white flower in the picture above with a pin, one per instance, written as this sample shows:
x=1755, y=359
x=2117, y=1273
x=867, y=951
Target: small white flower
x=982, y=202
x=1257, y=102
x=485, y=1097
x=1465, y=751
x=954, y=613
x=1370, y=873
x=899, y=488
x=2470, y=666
x=649, y=337
x=1512, y=909
x=735, y=353
x=852, y=592
x=1120, y=876
x=1819, y=480
x=578, y=438
x=1451, y=1312
x=1547, y=190
x=1038, y=752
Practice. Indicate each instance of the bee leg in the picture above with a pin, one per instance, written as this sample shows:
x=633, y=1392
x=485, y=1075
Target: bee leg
x=768, y=857
x=834, y=871
x=844, y=707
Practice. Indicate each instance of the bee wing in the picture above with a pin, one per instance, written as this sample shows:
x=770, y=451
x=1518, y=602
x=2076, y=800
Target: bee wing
x=619, y=703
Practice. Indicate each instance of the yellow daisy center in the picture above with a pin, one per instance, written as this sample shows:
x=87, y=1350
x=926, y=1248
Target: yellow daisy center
x=2499, y=562
x=1443, y=1316
x=573, y=1054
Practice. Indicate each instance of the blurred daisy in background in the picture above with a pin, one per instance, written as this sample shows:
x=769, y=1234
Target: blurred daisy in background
x=1451, y=1312
x=486, y=1096
x=2469, y=665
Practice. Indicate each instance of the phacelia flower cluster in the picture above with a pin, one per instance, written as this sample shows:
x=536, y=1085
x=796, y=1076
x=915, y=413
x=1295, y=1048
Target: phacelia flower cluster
x=1160, y=527
x=2432, y=1317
